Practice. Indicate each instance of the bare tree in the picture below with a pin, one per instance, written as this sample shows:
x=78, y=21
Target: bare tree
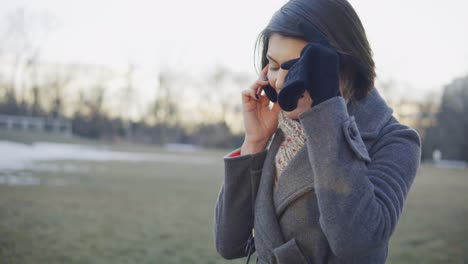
x=165, y=107
x=451, y=123
x=21, y=46
x=127, y=98
x=220, y=94
x=164, y=110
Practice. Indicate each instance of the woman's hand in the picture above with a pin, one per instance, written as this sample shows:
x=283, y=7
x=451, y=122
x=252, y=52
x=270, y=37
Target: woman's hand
x=260, y=122
x=316, y=71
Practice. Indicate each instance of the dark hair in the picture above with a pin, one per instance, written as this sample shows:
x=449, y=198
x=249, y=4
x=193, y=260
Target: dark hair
x=340, y=24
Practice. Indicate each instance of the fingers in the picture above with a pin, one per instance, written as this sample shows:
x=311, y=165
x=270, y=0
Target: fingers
x=255, y=91
x=249, y=94
x=261, y=81
x=262, y=78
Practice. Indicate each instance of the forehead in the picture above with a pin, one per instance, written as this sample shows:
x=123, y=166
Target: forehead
x=284, y=48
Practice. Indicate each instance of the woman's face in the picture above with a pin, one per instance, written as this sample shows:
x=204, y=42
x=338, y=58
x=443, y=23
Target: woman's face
x=282, y=49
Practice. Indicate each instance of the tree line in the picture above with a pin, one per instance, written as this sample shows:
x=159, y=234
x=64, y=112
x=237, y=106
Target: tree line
x=105, y=104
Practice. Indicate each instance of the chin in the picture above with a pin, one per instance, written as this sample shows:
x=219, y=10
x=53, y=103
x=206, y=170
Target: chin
x=292, y=115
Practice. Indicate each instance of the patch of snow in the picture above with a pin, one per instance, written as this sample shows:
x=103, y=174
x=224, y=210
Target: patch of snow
x=19, y=180
x=181, y=147
x=451, y=164
x=18, y=156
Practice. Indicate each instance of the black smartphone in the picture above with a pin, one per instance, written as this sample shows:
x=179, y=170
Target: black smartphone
x=270, y=93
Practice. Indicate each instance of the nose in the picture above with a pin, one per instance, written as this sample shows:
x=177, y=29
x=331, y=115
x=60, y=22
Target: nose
x=279, y=81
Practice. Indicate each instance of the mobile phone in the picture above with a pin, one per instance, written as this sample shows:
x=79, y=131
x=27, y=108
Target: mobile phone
x=270, y=93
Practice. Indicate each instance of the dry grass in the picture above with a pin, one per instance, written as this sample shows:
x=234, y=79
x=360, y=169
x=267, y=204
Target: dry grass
x=434, y=225
x=118, y=212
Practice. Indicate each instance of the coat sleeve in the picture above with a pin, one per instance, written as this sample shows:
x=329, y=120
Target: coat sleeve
x=360, y=195
x=234, y=210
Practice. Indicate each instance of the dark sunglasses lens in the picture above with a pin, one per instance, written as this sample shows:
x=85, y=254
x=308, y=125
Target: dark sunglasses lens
x=270, y=93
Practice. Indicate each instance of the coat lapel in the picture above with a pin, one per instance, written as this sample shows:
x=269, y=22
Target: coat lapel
x=266, y=222
x=296, y=179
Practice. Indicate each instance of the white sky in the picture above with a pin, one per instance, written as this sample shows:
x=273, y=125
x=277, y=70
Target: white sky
x=421, y=43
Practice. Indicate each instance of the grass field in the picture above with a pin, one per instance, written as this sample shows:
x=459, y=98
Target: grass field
x=162, y=212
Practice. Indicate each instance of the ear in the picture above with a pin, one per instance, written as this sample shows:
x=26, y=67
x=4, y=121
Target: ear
x=288, y=64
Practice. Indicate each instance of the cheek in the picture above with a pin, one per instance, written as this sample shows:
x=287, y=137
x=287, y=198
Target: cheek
x=303, y=105
x=305, y=102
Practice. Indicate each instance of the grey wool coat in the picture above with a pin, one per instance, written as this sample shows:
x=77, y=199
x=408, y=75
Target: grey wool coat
x=339, y=198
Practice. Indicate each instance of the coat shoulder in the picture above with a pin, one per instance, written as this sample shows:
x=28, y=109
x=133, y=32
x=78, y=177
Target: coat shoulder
x=395, y=129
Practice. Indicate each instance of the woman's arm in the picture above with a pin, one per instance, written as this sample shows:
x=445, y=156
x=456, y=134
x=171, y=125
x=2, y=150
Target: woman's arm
x=360, y=197
x=234, y=210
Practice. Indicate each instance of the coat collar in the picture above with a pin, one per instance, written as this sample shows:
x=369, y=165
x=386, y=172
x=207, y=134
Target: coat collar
x=371, y=113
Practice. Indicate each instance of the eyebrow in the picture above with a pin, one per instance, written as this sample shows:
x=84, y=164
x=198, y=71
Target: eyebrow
x=270, y=58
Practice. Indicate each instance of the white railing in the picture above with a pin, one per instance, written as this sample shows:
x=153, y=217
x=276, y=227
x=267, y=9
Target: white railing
x=27, y=123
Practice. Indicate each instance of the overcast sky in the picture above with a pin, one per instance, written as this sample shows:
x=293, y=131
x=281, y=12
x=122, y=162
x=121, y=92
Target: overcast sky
x=423, y=44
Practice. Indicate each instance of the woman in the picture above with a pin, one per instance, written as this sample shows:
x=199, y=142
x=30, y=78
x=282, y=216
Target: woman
x=323, y=174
